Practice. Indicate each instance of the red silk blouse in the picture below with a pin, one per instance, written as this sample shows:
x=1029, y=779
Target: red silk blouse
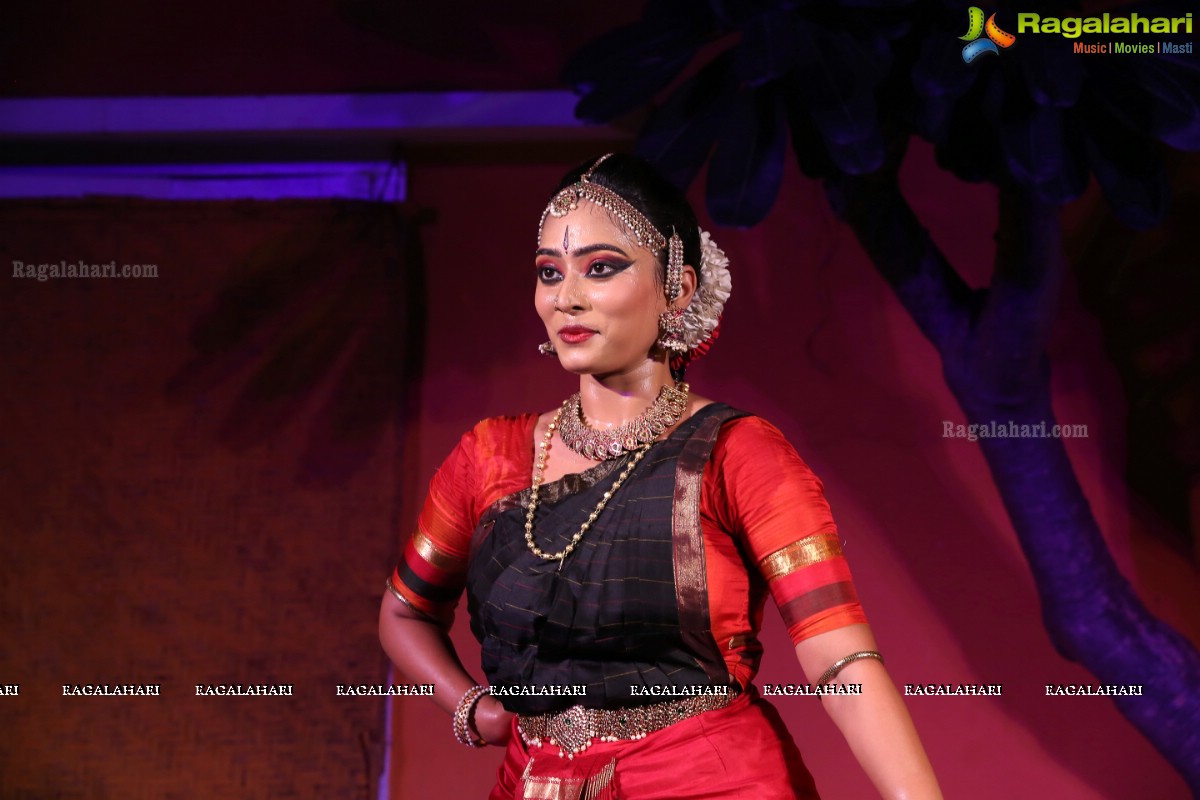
x=765, y=522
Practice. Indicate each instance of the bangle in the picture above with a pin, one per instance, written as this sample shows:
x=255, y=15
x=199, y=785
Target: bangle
x=463, y=729
x=838, y=665
x=391, y=587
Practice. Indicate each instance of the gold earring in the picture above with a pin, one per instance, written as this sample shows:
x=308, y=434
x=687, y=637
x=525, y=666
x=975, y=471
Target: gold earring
x=670, y=327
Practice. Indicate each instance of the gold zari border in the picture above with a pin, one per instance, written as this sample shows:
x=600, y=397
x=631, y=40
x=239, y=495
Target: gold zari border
x=440, y=559
x=798, y=555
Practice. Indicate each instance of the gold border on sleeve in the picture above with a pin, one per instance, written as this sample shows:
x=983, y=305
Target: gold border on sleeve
x=798, y=555
x=440, y=559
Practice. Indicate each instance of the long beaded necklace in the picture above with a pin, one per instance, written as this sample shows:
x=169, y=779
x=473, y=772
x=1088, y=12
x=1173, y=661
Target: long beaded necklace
x=531, y=509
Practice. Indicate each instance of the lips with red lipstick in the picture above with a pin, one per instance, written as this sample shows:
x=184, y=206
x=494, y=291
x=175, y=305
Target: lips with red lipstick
x=575, y=334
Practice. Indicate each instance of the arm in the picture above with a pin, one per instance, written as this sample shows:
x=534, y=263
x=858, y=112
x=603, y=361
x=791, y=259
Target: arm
x=778, y=505
x=421, y=649
x=876, y=723
x=417, y=610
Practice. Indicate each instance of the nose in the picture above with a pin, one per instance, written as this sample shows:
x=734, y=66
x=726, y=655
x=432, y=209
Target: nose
x=571, y=294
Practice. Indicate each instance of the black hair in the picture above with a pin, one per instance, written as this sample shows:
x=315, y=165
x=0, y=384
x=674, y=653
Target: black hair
x=643, y=187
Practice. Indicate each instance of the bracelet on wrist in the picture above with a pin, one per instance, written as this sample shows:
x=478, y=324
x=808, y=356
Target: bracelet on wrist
x=464, y=714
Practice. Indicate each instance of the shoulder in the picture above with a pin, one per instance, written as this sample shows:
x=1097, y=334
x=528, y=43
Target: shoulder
x=752, y=453
x=759, y=484
x=750, y=436
x=501, y=430
x=503, y=437
x=489, y=460
x=502, y=448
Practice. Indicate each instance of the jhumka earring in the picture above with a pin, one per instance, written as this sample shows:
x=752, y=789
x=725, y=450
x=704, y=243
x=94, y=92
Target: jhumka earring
x=670, y=327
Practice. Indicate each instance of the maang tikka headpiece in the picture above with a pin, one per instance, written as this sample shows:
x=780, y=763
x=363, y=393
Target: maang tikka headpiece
x=684, y=330
x=642, y=228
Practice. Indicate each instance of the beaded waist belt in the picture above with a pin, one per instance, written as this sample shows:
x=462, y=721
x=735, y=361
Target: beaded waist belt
x=574, y=729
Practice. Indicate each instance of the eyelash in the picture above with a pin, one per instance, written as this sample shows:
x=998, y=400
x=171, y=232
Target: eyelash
x=549, y=274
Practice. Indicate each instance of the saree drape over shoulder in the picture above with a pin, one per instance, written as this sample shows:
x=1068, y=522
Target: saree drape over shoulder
x=665, y=591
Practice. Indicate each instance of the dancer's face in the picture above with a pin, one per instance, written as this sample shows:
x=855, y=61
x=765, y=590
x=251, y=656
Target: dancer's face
x=598, y=292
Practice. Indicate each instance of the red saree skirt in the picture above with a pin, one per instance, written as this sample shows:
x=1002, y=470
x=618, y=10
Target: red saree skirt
x=742, y=750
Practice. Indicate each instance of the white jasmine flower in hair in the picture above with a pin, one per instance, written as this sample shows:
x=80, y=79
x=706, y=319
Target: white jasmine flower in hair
x=704, y=311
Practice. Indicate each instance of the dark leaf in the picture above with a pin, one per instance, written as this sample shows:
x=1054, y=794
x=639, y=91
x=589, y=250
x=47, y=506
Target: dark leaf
x=302, y=356
x=679, y=134
x=1127, y=167
x=770, y=47
x=931, y=118
x=1174, y=83
x=1155, y=96
x=940, y=71
x=835, y=66
x=970, y=149
x=824, y=65
x=368, y=395
x=747, y=166
x=736, y=14
x=694, y=18
x=624, y=69
x=875, y=6
x=864, y=56
x=1073, y=175
x=807, y=144
x=1033, y=145
x=1053, y=74
x=272, y=275
x=273, y=284
x=851, y=133
x=840, y=96
x=939, y=79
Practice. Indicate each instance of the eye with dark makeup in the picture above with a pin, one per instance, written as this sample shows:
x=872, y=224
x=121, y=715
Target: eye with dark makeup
x=607, y=268
x=601, y=268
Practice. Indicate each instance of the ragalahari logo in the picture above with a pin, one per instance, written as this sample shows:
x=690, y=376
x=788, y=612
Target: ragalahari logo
x=976, y=27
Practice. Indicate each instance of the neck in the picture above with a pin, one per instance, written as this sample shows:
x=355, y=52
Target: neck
x=611, y=400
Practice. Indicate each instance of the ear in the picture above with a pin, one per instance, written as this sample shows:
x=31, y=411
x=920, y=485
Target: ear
x=688, y=286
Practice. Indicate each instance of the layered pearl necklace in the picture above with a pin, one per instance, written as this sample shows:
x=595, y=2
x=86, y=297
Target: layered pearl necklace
x=642, y=445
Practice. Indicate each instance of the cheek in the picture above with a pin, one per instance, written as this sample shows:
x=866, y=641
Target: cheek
x=543, y=301
x=636, y=309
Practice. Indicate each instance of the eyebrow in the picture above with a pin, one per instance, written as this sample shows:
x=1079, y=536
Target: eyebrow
x=582, y=251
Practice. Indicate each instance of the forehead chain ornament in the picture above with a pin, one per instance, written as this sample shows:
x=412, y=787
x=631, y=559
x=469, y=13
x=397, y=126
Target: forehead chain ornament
x=634, y=221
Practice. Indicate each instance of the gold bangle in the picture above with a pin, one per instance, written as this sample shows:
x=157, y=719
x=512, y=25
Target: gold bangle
x=841, y=663
x=391, y=587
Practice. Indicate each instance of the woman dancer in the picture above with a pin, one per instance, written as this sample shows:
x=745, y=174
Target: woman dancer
x=617, y=551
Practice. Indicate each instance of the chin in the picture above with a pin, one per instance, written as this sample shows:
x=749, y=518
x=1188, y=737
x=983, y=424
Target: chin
x=577, y=364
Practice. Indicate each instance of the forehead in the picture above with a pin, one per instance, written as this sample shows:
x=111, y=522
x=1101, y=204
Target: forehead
x=588, y=224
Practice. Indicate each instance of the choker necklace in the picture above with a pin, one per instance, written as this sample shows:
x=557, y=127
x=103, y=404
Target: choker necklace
x=543, y=449
x=645, y=428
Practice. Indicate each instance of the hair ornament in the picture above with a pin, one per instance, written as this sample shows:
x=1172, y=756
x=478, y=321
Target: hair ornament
x=635, y=221
x=703, y=314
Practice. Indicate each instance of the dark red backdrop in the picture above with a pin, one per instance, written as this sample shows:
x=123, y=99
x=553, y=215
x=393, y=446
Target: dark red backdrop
x=150, y=532
x=144, y=542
